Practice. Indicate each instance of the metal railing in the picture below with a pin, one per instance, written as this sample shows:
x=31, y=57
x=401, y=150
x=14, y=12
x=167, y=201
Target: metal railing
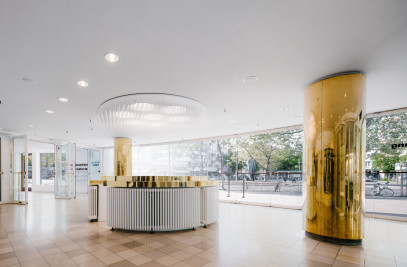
x=398, y=179
x=280, y=175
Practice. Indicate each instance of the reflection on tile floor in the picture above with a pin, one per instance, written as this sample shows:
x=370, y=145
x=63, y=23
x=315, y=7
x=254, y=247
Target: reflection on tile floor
x=51, y=232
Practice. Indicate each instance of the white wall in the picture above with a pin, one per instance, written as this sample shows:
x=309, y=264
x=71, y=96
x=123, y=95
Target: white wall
x=81, y=156
x=6, y=168
x=107, y=162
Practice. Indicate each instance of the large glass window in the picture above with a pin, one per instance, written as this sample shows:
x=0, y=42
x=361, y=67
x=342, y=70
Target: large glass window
x=263, y=168
x=267, y=168
x=47, y=163
x=386, y=167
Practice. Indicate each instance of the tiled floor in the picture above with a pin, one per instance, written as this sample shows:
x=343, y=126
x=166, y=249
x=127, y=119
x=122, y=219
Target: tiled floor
x=51, y=232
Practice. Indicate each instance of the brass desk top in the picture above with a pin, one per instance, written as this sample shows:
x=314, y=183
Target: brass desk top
x=154, y=181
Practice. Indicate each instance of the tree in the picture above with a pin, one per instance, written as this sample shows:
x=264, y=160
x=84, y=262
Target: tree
x=385, y=163
x=228, y=150
x=381, y=133
x=273, y=151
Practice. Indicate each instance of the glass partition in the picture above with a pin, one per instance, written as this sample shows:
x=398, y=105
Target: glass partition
x=82, y=171
x=20, y=167
x=65, y=158
x=94, y=158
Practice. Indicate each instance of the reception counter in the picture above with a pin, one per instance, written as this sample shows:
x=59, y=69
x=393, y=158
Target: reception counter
x=142, y=204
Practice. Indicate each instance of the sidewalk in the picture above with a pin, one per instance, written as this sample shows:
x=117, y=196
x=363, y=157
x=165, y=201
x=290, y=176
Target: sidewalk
x=391, y=206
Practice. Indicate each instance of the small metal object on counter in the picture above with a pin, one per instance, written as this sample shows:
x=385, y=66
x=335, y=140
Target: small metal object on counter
x=155, y=181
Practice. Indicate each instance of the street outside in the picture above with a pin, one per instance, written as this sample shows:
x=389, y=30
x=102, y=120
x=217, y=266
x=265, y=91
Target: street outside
x=295, y=188
x=290, y=196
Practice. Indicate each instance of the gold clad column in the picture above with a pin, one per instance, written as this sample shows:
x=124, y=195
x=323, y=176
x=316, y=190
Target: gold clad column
x=334, y=131
x=122, y=157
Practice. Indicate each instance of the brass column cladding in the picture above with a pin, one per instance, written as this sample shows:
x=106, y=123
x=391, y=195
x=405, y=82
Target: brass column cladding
x=122, y=157
x=334, y=145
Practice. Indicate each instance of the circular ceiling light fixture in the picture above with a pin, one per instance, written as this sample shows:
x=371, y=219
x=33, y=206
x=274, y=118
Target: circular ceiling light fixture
x=63, y=99
x=174, y=109
x=287, y=108
x=112, y=58
x=49, y=111
x=251, y=79
x=82, y=83
x=142, y=106
x=28, y=81
x=131, y=114
x=180, y=118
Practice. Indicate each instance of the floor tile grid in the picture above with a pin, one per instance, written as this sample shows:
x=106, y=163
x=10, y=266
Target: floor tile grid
x=76, y=242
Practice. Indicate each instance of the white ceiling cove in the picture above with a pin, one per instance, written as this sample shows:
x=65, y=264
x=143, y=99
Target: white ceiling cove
x=202, y=50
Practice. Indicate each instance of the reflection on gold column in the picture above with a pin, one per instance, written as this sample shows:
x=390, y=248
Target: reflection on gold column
x=122, y=157
x=334, y=130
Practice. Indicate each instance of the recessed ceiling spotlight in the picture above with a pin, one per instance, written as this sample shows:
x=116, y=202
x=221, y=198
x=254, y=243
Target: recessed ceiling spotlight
x=251, y=79
x=82, y=83
x=112, y=58
x=28, y=80
x=232, y=121
x=63, y=99
x=49, y=111
x=1, y=128
x=31, y=126
x=287, y=108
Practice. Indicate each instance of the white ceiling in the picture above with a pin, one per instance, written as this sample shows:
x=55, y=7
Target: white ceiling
x=199, y=49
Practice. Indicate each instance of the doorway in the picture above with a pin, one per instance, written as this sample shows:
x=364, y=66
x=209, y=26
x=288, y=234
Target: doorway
x=20, y=167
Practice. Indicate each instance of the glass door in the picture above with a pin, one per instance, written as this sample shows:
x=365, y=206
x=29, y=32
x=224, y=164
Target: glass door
x=95, y=156
x=20, y=167
x=82, y=171
x=65, y=176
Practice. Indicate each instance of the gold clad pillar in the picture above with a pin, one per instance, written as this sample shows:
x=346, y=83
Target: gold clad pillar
x=334, y=133
x=122, y=157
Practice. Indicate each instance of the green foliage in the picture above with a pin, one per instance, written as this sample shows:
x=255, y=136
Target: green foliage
x=229, y=158
x=381, y=133
x=273, y=151
x=47, y=160
x=385, y=163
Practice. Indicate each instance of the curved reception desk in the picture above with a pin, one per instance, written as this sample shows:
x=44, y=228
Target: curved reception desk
x=143, y=204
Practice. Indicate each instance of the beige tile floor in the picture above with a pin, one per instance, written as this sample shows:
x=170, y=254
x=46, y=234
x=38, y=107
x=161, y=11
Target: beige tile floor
x=49, y=232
